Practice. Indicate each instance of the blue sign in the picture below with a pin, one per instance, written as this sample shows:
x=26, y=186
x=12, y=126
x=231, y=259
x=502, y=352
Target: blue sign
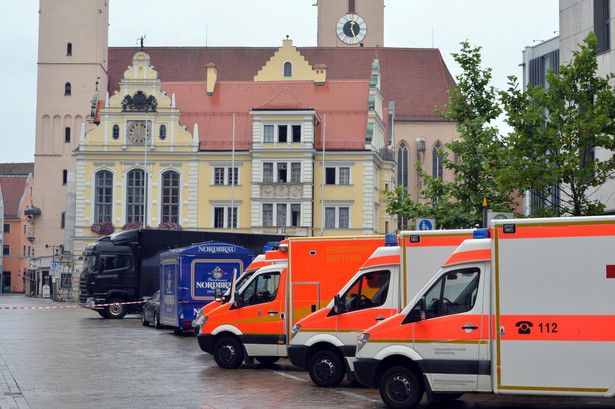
x=425, y=224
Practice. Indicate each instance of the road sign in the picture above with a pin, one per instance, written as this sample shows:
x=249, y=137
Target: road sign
x=499, y=215
x=54, y=265
x=425, y=224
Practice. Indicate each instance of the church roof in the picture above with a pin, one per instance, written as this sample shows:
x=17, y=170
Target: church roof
x=416, y=79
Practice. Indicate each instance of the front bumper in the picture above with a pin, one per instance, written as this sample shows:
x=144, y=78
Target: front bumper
x=297, y=354
x=206, y=342
x=365, y=371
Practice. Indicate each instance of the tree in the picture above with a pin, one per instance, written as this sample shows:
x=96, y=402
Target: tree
x=478, y=155
x=556, y=131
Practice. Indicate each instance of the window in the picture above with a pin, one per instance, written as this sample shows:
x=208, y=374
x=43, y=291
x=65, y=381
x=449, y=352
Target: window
x=437, y=170
x=296, y=129
x=7, y=228
x=69, y=49
x=351, y=6
x=282, y=172
x=116, y=132
x=170, y=197
x=268, y=172
x=267, y=214
x=295, y=215
x=282, y=133
x=67, y=135
x=25, y=251
x=295, y=172
x=67, y=88
x=103, y=196
x=337, y=176
x=63, y=220
x=6, y=249
x=113, y=262
x=25, y=229
x=225, y=217
x=602, y=16
x=288, y=69
x=162, y=134
x=224, y=176
x=370, y=290
x=135, y=196
x=455, y=292
x=263, y=288
x=268, y=133
x=281, y=214
x=337, y=217
x=64, y=176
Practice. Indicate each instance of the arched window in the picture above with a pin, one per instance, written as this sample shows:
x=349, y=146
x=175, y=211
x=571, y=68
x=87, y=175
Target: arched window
x=163, y=132
x=437, y=161
x=103, y=196
x=67, y=88
x=288, y=69
x=116, y=132
x=402, y=165
x=64, y=177
x=67, y=135
x=170, y=197
x=136, y=187
x=69, y=49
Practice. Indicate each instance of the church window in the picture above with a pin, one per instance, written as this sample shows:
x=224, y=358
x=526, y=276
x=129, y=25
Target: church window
x=64, y=176
x=69, y=49
x=67, y=88
x=288, y=69
x=437, y=161
x=170, y=197
x=103, y=196
x=67, y=135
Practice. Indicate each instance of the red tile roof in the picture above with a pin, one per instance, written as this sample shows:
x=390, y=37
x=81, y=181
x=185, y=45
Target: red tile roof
x=13, y=189
x=416, y=79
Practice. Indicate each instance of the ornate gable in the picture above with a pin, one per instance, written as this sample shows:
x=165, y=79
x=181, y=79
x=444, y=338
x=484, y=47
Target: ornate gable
x=287, y=64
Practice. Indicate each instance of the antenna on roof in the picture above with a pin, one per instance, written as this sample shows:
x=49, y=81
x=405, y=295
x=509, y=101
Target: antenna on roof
x=140, y=40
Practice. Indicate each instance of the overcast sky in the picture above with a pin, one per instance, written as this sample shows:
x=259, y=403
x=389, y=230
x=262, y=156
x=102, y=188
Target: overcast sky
x=502, y=28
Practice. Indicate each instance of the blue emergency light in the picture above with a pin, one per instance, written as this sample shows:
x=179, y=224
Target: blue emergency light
x=482, y=234
x=390, y=240
x=272, y=245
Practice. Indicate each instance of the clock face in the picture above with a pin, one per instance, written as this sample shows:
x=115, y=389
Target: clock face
x=351, y=29
x=138, y=132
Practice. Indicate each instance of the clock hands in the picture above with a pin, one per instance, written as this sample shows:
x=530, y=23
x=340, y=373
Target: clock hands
x=352, y=29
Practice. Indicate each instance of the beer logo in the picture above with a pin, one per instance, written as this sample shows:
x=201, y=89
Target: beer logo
x=217, y=273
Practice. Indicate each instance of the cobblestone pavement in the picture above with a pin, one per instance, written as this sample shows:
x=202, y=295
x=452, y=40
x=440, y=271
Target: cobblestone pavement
x=69, y=357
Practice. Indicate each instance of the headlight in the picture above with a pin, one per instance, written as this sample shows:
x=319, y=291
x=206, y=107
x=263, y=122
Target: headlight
x=363, y=338
x=199, y=321
x=295, y=330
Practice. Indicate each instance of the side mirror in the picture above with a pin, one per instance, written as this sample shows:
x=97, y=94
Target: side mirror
x=238, y=301
x=338, y=304
x=423, y=308
x=218, y=294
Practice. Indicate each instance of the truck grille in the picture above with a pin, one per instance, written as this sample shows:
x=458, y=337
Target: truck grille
x=83, y=288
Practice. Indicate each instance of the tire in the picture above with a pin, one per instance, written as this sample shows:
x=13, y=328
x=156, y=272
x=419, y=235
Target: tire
x=144, y=322
x=228, y=353
x=326, y=369
x=118, y=311
x=400, y=388
x=157, y=323
x=267, y=360
x=102, y=313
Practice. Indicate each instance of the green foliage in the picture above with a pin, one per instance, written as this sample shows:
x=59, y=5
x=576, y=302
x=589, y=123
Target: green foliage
x=479, y=155
x=556, y=130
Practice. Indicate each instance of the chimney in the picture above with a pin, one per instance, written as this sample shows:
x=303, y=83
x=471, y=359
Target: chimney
x=212, y=76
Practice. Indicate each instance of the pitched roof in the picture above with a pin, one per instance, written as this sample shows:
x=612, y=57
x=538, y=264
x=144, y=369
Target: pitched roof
x=13, y=188
x=344, y=103
x=16, y=168
x=416, y=79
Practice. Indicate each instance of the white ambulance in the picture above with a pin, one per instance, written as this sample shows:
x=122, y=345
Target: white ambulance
x=528, y=310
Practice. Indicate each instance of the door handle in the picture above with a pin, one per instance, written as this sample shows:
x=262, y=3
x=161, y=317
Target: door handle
x=469, y=327
x=380, y=318
x=272, y=312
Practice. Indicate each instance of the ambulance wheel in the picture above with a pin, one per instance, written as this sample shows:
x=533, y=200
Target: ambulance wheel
x=228, y=353
x=267, y=360
x=157, y=323
x=444, y=397
x=116, y=310
x=400, y=388
x=326, y=369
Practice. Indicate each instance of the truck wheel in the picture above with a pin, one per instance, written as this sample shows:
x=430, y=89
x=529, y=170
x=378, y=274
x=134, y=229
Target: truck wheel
x=267, y=360
x=228, y=353
x=117, y=310
x=157, y=323
x=400, y=388
x=102, y=313
x=326, y=369
x=144, y=322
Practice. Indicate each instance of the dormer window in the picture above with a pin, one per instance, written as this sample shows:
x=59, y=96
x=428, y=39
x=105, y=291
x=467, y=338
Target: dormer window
x=69, y=49
x=288, y=69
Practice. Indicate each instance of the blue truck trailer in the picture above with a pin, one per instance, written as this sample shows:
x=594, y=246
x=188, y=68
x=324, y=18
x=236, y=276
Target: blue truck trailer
x=189, y=277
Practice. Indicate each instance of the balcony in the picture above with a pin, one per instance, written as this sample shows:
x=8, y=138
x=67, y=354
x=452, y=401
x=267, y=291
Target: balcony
x=284, y=230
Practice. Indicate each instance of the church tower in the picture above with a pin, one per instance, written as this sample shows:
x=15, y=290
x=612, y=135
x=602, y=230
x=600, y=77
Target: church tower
x=350, y=23
x=72, y=57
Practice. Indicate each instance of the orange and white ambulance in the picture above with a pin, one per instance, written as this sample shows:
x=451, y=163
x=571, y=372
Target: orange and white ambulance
x=256, y=323
x=324, y=342
x=528, y=310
